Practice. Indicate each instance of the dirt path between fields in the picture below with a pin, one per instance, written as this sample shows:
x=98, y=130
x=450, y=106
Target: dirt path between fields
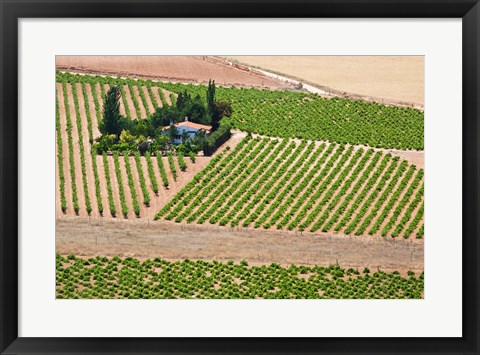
x=172, y=241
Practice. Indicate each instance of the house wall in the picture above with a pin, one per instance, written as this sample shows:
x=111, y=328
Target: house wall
x=191, y=133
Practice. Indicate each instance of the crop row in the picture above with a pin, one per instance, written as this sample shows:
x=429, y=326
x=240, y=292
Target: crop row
x=300, y=115
x=282, y=197
x=131, y=184
x=391, y=202
x=171, y=164
x=98, y=192
x=83, y=104
x=76, y=207
x=296, y=186
x=257, y=176
x=81, y=147
x=213, y=169
x=408, y=214
x=332, y=168
x=151, y=173
x=61, y=173
x=401, y=205
x=360, y=200
x=219, y=195
x=211, y=176
x=121, y=190
x=181, y=161
x=345, y=186
x=282, y=173
x=102, y=277
x=143, y=184
x=111, y=201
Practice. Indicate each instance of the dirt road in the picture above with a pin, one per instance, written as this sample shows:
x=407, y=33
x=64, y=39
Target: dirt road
x=173, y=241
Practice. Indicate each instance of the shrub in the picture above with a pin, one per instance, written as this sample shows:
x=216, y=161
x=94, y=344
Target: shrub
x=216, y=139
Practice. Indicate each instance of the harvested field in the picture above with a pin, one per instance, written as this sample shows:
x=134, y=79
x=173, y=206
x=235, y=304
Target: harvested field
x=192, y=69
x=399, y=78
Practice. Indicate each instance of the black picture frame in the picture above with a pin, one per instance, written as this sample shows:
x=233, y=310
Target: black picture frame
x=12, y=11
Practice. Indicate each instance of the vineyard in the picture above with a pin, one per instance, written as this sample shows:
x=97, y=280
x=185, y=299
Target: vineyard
x=288, y=114
x=279, y=184
x=287, y=185
x=115, y=185
x=284, y=114
x=301, y=163
x=131, y=278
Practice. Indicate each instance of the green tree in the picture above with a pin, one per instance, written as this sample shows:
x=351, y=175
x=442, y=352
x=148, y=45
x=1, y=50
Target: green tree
x=112, y=121
x=221, y=109
x=211, y=98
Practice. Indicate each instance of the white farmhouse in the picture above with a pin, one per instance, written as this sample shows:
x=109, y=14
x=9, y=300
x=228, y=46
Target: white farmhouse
x=191, y=128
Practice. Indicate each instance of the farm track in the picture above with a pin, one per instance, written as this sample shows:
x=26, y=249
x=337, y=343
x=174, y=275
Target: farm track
x=178, y=241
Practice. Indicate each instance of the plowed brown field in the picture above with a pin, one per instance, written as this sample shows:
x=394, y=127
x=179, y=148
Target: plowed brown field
x=197, y=69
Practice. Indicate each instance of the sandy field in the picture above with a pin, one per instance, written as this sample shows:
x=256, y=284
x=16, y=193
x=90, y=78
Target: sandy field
x=399, y=78
x=194, y=69
x=171, y=241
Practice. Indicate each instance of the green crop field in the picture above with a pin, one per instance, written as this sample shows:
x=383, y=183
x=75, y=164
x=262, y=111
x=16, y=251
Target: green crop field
x=300, y=163
x=131, y=278
x=289, y=114
x=282, y=184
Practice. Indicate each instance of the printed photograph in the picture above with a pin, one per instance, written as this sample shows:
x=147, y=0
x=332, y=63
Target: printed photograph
x=239, y=177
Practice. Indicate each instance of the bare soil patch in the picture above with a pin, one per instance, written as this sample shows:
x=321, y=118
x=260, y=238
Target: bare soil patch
x=171, y=241
x=194, y=69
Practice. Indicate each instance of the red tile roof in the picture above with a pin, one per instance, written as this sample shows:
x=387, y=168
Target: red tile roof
x=194, y=125
x=191, y=125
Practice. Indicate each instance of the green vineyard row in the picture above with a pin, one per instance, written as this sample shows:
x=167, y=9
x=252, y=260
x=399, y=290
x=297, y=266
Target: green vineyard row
x=289, y=114
x=265, y=183
x=131, y=278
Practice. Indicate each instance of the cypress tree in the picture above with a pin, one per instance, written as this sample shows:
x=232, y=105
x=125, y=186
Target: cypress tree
x=211, y=98
x=111, y=123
